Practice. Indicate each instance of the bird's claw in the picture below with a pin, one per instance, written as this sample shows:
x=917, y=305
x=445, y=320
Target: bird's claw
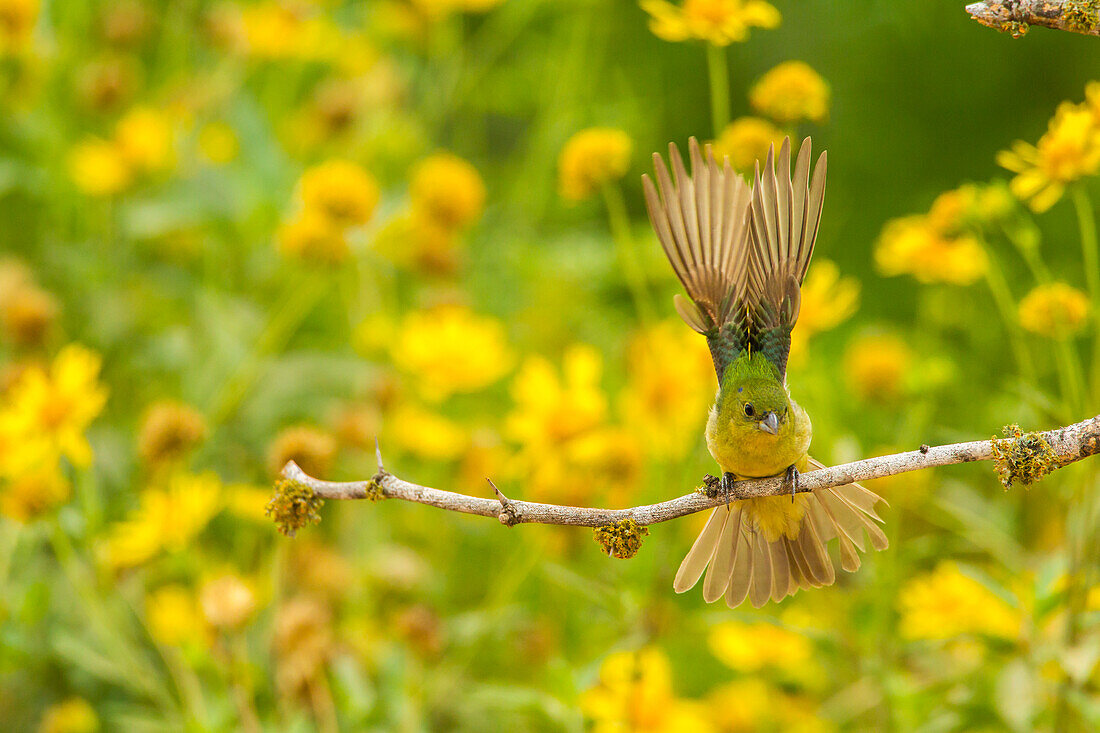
x=727, y=486
x=792, y=479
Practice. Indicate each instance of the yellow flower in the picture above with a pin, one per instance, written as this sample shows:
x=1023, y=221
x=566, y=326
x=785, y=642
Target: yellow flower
x=167, y=519
x=912, y=245
x=417, y=241
x=74, y=715
x=26, y=314
x=550, y=410
x=341, y=190
x=670, y=386
x=1069, y=150
x=314, y=238
x=172, y=616
x=447, y=190
x=145, y=139
x=751, y=704
x=450, y=349
x=635, y=694
x=227, y=601
x=751, y=647
x=746, y=140
x=17, y=20
x=718, y=22
x=876, y=367
x=218, y=143
x=58, y=405
x=827, y=301
x=592, y=158
x=98, y=168
x=946, y=603
x=31, y=493
x=312, y=449
x=271, y=30
x=1054, y=310
x=426, y=434
x=168, y=431
x=438, y=8
x=791, y=92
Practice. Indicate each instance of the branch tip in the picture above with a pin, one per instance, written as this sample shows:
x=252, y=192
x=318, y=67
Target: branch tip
x=294, y=504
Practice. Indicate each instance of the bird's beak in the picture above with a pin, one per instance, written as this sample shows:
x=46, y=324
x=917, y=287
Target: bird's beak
x=770, y=423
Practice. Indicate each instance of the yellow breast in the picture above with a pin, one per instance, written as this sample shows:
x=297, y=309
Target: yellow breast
x=742, y=449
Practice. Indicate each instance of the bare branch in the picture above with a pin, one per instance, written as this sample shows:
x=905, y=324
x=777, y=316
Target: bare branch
x=1016, y=16
x=1068, y=444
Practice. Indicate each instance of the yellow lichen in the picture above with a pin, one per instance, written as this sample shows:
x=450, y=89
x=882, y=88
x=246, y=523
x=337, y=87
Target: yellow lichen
x=294, y=506
x=374, y=489
x=1081, y=15
x=1022, y=457
x=621, y=539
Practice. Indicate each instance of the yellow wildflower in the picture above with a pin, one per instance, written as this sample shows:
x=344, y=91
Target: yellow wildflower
x=447, y=190
x=74, y=715
x=29, y=494
x=169, y=430
x=635, y=694
x=172, y=616
x=746, y=140
x=218, y=143
x=751, y=647
x=418, y=241
x=912, y=245
x=450, y=349
x=314, y=450
x=751, y=704
x=271, y=30
x=17, y=20
x=827, y=301
x=550, y=410
x=227, y=601
x=58, y=405
x=341, y=190
x=876, y=367
x=592, y=158
x=946, y=603
x=426, y=434
x=314, y=238
x=26, y=314
x=1056, y=309
x=439, y=8
x=669, y=388
x=98, y=168
x=145, y=139
x=1069, y=150
x=791, y=92
x=167, y=519
x=718, y=22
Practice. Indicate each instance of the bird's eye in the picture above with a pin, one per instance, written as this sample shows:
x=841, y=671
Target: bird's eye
x=748, y=409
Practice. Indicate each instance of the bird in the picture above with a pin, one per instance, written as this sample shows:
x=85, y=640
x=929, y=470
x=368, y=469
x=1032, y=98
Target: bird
x=741, y=254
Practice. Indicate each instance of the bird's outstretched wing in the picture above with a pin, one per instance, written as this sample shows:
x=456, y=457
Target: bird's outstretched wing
x=702, y=221
x=785, y=213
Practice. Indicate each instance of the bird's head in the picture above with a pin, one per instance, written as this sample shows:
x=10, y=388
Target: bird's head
x=760, y=403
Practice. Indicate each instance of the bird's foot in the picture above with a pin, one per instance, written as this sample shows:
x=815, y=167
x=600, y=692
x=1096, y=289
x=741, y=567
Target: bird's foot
x=727, y=486
x=792, y=479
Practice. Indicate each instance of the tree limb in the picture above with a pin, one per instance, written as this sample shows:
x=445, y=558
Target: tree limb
x=1015, y=16
x=1012, y=454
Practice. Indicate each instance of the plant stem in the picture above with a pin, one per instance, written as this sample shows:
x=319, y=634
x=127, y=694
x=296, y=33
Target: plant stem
x=1002, y=297
x=1090, y=252
x=619, y=222
x=719, y=87
x=296, y=305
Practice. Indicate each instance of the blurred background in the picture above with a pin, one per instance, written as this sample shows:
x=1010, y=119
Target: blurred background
x=234, y=234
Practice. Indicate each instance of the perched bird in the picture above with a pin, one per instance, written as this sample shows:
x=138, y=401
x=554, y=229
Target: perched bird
x=742, y=254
